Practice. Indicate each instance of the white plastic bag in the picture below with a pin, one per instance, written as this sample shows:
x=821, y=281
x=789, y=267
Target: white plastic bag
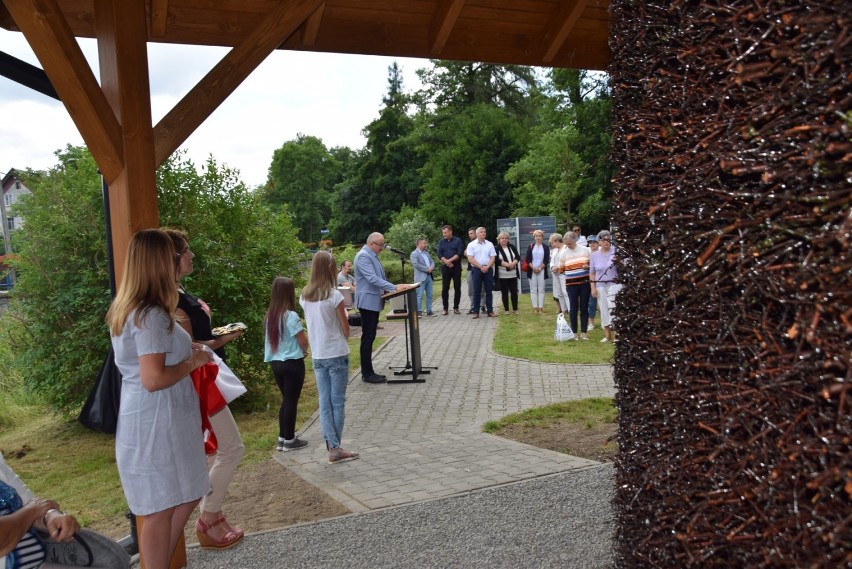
x=229, y=385
x=563, y=330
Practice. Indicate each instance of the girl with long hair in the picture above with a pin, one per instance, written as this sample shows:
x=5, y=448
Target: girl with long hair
x=285, y=347
x=159, y=448
x=328, y=329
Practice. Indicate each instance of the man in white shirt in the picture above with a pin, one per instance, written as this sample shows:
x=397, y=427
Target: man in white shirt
x=480, y=258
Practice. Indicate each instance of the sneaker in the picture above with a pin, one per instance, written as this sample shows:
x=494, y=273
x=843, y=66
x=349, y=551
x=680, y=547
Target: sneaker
x=295, y=444
x=591, y=326
x=604, y=340
x=583, y=336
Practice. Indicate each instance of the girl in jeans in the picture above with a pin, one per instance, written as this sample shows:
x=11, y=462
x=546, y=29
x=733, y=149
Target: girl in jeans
x=285, y=349
x=328, y=329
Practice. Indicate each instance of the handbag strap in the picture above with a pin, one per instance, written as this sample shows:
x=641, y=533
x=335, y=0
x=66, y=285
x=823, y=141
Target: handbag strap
x=87, y=549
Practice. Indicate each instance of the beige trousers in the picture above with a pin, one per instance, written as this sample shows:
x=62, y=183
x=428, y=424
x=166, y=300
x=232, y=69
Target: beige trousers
x=224, y=463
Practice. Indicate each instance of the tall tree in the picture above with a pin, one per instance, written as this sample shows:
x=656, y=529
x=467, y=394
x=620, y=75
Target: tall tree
x=301, y=177
x=460, y=84
x=387, y=176
x=567, y=171
x=468, y=153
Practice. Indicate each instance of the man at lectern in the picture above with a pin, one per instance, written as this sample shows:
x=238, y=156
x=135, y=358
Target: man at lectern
x=371, y=283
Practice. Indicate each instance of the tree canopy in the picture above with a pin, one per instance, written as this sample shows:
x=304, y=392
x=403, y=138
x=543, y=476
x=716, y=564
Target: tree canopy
x=475, y=143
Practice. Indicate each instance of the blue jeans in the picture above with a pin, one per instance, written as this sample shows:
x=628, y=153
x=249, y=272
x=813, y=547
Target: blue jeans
x=481, y=279
x=425, y=286
x=332, y=375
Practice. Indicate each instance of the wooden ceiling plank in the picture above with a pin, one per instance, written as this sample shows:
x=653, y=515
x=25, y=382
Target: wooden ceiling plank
x=228, y=74
x=312, y=26
x=560, y=28
x=443, y=23
x=159, y=18
x=50, y=38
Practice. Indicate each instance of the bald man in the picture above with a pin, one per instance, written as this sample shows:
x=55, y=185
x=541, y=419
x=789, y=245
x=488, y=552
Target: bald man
x=371, y=283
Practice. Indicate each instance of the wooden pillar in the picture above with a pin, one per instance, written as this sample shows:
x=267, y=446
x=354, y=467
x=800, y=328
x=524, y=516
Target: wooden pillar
x=178, y=555
x=122, y=36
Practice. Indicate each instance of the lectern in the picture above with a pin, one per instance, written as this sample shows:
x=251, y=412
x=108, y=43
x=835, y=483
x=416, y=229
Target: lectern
x=414, y=364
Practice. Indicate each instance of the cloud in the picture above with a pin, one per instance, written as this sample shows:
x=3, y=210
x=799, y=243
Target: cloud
x=331, y=96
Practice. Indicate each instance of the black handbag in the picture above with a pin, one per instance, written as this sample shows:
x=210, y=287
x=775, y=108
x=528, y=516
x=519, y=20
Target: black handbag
x=100, y=412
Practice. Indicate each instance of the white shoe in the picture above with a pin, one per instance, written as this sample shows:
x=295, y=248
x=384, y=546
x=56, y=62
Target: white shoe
x=604, y=340
x=591, y=326
x=584, y=337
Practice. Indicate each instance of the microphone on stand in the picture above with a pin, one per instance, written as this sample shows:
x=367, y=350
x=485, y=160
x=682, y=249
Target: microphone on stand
x=392, y=250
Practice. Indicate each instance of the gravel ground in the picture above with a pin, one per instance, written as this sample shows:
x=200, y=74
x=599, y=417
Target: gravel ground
x=563, y=521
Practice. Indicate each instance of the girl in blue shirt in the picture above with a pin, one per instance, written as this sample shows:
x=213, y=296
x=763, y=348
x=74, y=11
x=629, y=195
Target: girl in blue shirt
x=286, y=345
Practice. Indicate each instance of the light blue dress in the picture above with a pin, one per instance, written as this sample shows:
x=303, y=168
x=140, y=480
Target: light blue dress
x=159, y=447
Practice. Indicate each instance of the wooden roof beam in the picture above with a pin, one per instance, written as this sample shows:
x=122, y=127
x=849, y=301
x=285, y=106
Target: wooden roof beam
x=442, y=25
x=560, y=27
x=312, y=26
x=50, y=37
x=159, y=17
x=228, y=74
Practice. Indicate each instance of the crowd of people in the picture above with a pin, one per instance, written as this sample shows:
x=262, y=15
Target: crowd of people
x=162, y=336
x=583, y=272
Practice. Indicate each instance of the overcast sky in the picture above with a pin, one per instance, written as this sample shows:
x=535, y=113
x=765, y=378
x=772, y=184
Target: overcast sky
x=329, y=96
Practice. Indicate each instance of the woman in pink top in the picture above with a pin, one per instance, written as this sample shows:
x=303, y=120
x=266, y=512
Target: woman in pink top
x=604, y=276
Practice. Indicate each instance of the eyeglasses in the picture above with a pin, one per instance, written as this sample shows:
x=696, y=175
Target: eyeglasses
x=382, y=244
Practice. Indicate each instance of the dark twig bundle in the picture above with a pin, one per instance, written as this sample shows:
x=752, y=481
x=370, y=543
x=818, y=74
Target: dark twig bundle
x=732, y=143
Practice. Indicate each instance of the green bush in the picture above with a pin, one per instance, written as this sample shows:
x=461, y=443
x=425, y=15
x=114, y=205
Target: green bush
x=55, y=337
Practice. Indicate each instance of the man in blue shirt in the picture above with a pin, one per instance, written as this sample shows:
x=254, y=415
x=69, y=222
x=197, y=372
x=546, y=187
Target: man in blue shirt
x=423, y=265
x=450, y=251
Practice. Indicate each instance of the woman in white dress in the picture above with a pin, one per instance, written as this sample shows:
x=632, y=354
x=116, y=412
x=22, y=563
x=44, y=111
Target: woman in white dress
x=159, y=447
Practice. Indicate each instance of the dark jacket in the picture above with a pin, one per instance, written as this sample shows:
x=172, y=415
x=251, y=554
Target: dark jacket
x=528, y=259
x=501, y=256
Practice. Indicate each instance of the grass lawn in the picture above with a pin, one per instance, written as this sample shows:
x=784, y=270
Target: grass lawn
x=589, y=412
x=530, y=336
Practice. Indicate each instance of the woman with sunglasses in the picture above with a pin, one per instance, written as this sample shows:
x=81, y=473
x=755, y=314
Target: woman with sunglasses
x=603, y=275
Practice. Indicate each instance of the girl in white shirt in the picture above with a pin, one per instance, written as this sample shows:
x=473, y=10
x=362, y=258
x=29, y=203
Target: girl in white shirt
x=328, y=329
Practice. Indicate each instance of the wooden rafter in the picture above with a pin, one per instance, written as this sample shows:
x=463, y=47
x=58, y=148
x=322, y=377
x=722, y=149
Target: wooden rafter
x=220, y=82
x=312, y=26
x=560, y=28
x=159, y=17
x=443, y=23
x=44, y=26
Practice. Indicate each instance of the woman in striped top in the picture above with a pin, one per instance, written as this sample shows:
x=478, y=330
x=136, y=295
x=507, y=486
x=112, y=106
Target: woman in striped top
x=575, y=269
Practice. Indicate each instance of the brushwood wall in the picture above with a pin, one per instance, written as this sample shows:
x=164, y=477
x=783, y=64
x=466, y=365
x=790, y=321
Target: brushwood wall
x=732, y=141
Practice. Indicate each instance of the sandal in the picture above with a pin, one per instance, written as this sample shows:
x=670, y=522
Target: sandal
x=230, y=539
x=336, y=455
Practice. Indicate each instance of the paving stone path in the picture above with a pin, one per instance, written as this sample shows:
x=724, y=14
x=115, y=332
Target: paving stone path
x=420, y=441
